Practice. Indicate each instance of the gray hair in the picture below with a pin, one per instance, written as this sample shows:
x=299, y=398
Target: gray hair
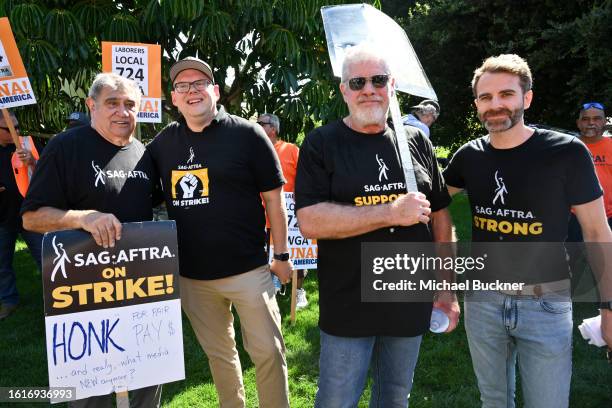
x=427, y=109
x=274, y=121
x=361, y=53
x=114, y=82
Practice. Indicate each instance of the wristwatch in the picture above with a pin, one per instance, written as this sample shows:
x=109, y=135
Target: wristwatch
x=283, y=256
x=606, y=305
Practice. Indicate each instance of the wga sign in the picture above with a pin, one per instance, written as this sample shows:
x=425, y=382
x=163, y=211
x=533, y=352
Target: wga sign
x=60, y=259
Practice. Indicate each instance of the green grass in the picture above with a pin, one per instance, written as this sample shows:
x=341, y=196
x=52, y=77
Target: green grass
x=443, y=378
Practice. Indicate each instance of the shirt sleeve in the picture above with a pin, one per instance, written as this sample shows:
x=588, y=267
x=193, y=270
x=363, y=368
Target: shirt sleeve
x=264, y=162
x=439, y=193
x=47, y=188
x=296, y=156
x=453, y=173
x=582, y=183
x=157, y=193
x=312, y=182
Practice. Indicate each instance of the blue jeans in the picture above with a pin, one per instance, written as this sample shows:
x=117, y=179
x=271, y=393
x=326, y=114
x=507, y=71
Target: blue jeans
x=343, y=369
x=537, y=332
x=8, y=237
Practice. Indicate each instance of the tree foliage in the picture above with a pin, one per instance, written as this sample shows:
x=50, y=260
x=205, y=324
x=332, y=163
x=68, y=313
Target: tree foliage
x=275, y=51
x=567, y=45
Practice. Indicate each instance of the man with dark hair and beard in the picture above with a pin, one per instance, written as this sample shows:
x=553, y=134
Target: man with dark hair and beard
x=522, y=183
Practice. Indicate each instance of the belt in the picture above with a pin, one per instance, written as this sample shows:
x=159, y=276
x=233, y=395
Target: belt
x=539, y=289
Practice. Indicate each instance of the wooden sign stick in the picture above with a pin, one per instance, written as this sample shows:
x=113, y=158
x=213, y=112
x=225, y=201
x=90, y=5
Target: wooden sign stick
x=9, y=124
x=123, y=399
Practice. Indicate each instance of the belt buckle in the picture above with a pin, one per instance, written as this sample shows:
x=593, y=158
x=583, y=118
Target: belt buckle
x=537, y=290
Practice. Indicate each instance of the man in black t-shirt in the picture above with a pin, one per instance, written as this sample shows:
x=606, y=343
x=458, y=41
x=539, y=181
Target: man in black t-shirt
x=10, y=220
x=94, y=178
x=521, y=183
x=213, y=168
x=345, y=171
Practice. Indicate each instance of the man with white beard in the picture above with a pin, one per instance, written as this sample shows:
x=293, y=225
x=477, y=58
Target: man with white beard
x=346, y=171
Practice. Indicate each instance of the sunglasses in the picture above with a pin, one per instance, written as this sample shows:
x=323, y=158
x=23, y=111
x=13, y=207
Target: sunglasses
x=378, y=81
x=7, y=129
x=263, y=123
x=590, y=105
x=200, y=85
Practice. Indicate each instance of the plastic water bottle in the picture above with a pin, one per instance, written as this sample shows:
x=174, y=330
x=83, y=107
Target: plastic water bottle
x=439, y=321
x=277, y=284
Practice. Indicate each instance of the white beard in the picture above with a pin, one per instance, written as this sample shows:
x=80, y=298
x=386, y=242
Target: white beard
x=369, y=116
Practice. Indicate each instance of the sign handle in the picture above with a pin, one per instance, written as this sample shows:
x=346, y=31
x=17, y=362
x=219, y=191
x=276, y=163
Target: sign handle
x=402, y=144
x=123, y=399
x=293, y=294
x=9, y=124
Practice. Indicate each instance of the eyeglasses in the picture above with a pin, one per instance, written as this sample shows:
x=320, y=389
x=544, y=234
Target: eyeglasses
x=590, y=105
x=378, y=81
x=200, y=85
x=263, y=123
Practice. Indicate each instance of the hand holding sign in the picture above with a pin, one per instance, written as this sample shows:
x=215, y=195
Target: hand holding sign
x=104, y=228
x=410, y=209
x=26, y=157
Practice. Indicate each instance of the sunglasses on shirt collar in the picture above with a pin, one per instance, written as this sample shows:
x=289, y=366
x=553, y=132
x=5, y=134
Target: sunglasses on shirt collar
x=378, y=81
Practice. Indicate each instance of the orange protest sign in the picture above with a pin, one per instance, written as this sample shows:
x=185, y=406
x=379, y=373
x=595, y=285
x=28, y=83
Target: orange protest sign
x=15, y=88
x=141, y=63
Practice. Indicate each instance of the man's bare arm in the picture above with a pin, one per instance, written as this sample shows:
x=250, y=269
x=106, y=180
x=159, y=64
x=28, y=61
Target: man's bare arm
x=277, y=215
x=105, y=228
x=336, y=221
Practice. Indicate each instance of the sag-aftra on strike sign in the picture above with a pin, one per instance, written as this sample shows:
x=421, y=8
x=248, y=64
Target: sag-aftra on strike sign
x=113, y=316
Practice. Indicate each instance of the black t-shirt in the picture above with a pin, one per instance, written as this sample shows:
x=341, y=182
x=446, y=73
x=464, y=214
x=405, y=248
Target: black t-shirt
x=212, y=182
x=80, y=170
x=340, y=165
x=10, y=199
x=524, y=194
